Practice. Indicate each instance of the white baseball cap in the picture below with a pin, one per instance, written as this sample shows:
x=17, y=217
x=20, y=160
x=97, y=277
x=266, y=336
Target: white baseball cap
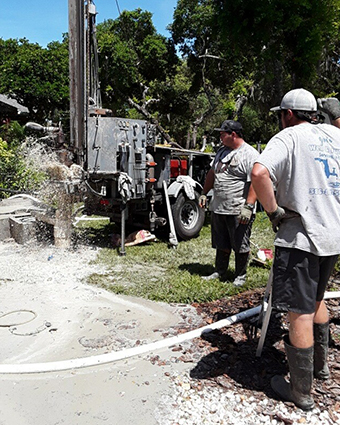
x=298, y=100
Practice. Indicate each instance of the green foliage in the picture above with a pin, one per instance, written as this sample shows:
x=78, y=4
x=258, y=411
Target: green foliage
x=132, y=55
x=258, y=49
x=13, y=133
x=15, y=173
x=36, y=77
x=275, y=45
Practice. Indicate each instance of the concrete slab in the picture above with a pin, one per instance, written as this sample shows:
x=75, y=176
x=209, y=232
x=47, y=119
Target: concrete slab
x=18, y=218
x=17, y=205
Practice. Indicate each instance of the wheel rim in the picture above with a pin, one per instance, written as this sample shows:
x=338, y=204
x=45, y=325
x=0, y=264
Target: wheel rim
x=189, y=215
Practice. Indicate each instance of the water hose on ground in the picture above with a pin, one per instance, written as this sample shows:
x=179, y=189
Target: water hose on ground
x=134, y=351
x=124, y=354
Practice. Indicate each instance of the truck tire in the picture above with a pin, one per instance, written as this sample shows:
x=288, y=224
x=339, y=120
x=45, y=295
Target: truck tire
x=188, y=216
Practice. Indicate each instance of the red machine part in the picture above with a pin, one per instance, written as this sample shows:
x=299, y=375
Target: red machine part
x=178, y=167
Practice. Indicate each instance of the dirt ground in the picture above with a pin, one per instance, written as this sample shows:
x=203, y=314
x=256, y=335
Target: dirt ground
x=49, y=315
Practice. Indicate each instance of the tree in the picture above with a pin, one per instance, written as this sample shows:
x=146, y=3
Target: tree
x=277, y=45
x=286, y=38
x=36, y=77
x=132, y=56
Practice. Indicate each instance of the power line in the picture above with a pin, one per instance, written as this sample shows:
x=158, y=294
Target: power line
x=118, y=7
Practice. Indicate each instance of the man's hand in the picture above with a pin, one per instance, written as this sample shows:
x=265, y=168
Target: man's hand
x=202, y=201
x=280, y=214
x=245, y=214
x=331, y=106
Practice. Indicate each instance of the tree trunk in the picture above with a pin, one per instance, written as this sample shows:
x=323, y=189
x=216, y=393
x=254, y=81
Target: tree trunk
x=150, y=118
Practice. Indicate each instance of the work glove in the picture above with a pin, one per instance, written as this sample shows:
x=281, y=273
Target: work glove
x=330, y=106
x=202, y=201
x=280, y=214
x=245, y=214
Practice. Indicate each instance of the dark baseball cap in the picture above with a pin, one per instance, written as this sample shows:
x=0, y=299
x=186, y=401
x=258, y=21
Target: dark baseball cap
x=230, y=125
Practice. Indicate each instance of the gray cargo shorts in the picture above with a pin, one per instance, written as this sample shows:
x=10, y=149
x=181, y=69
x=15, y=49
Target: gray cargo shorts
x=300, y=279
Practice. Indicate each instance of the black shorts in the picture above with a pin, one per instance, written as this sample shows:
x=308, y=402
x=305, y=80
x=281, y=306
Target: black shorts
x=228, y=234
x=299, y=279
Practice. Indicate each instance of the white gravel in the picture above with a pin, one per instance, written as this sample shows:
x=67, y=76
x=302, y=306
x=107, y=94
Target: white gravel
x=214, y=405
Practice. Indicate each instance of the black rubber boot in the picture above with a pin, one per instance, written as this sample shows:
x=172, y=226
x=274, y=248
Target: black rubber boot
x=321, y=339
x=241, y=262
x=298, y=390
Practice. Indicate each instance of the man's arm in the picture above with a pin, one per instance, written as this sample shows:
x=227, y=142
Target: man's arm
x=208, y=185
x=209, y=181
x=251, y=198
x=263, y=187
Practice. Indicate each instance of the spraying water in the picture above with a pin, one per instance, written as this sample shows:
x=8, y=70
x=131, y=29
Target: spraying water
x=59, y=188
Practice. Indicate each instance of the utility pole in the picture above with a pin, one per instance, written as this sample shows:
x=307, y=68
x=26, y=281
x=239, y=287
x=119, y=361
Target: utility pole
x=76, y=20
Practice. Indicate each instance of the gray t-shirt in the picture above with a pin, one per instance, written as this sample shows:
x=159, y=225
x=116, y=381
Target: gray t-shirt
x=232, y=170
x=304, y=165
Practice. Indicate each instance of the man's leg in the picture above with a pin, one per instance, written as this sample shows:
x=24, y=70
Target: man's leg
x=241, y=263
x=222, y=262
x=294, y=288
x=221, y=265
x=299, y=350
x=301, y=329
x=240, y=236
x=321, y=340
x=220, y=241
x=321, y=313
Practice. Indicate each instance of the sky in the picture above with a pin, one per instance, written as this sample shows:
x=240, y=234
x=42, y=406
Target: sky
x=43, y=21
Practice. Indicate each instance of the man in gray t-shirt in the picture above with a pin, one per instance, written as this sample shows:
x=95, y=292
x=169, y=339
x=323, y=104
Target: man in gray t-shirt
x=302, y=163
x=233, y=203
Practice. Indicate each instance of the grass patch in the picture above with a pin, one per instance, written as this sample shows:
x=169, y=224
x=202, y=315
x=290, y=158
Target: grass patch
x=157, y=272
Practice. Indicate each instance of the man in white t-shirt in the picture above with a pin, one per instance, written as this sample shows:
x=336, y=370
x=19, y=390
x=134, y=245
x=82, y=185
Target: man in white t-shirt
x=302, y=164
x=233, y=203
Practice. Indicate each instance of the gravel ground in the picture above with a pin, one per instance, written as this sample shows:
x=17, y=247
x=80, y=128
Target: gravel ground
x=229, y=385
x=189, y=405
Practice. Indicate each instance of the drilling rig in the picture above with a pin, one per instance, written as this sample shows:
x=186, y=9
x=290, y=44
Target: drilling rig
x=131, y=176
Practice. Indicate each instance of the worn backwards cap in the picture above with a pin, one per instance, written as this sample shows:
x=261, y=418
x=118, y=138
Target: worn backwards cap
x=297, y=100
x=230, y=125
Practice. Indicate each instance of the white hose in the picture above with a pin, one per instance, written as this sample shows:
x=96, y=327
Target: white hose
x=120, y=355
x=329, y=295
x=24, y=195
x=130, y=352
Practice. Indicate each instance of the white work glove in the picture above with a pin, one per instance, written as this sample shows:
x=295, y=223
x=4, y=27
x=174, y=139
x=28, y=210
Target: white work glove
x=331, y=106
x=280, y=214
x=202, y=201
x=245, y=214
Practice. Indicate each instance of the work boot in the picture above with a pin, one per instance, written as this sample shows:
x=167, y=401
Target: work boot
x=321, y=339
x=241, y=262
x=221, y=265
x=214, y=275
x=240, y=280
x=298, y=390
